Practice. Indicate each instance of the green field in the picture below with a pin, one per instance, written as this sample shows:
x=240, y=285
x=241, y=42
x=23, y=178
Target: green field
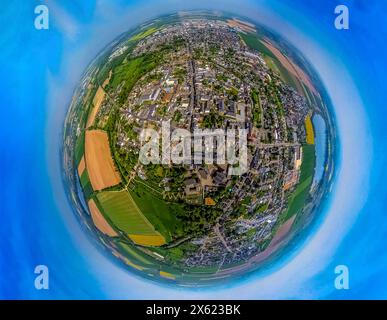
x=130, y=71
x=253, y=42
x=160, y=213
x=300, y=195
x=120, y=208
x=127, y=72
x=271, y=60
x=198, y=271
x=286, y=75
x=86, y=184
x=136, y=255
x=143, y=34
x=79, y=148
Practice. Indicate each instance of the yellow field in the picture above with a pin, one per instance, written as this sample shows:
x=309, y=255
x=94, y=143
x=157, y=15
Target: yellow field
x=126, y=260
x=309, y=130
x=81, y=166
x=133, y=265
x=143, y=34
x=99, y=162
x=147, y=240
x=97, y=101
x=167, y=275
x=99, y=220
x=124, y=213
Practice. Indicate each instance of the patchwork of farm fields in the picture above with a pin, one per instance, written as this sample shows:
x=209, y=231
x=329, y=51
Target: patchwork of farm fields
x=121, y=209
x=160, y=213
x=99, y=220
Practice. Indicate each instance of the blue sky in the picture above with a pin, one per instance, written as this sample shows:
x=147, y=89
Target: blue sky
x=40, y=70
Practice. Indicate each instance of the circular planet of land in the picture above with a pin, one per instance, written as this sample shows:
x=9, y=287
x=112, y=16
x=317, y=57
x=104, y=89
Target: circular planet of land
x=197, y=147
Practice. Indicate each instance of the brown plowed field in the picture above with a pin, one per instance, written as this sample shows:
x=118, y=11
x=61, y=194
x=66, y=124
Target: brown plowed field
x=99, y=220
x=99, y=162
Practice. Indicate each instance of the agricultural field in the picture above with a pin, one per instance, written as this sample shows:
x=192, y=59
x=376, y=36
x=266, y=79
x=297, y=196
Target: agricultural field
x=143, y=34
x=86, y=185
x=79, y=148
x=81, y=166
x=122, y=210
x=137, y=256
x=296, y=72
x=282, y=65
x=97, y=101
x=309, y=130
x=167, y=275
x=253, y=42
x=99, y=162
x=299, y=196
x=160, y=213
x=99, y=220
